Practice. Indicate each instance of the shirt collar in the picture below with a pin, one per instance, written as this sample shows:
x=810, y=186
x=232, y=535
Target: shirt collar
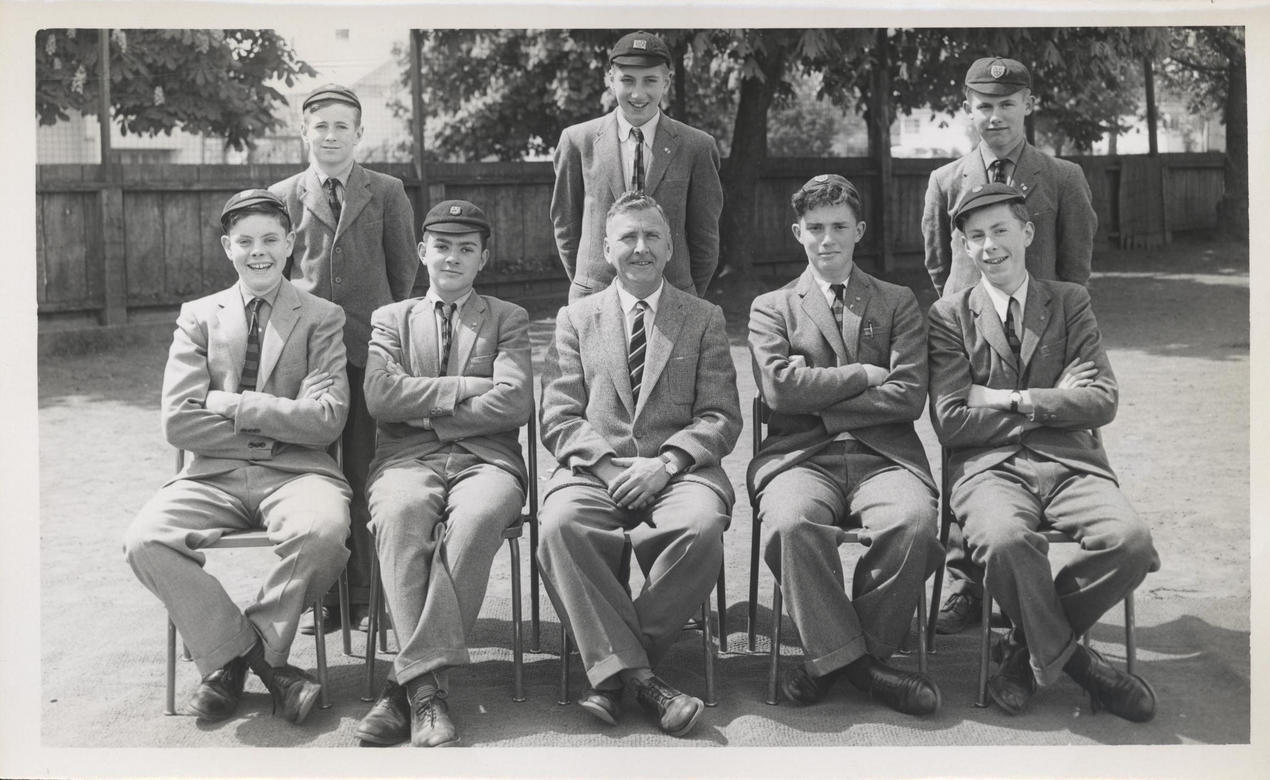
x=1001, y=301
x=433, y=299
x=342, y=175
x=824, y=285
x=628, y=301
x=1013, y=155
x=649, y=128
x=248, y=296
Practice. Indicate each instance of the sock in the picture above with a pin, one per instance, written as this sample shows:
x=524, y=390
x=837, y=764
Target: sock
x=423, y=686
x=858, y=671
x=631, y=676
x=1078, y=664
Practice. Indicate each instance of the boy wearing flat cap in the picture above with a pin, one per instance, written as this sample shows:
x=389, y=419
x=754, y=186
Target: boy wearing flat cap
x=1018, y=380
x=840, y=358
x=448, y=380
x=999, y=96
x=254, y=391
x=637, y=148
x=354, y=245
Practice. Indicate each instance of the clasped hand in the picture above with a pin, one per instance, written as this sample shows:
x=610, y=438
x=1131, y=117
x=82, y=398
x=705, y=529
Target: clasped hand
x=637, y=484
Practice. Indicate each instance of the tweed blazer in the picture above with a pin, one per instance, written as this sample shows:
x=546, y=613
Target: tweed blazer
x=688, y=396
x=1058, y=201
x=491, y=340
x=369, y=260
x=968, y=347
x=812, y=405
x=683, y=179
x=304, y=334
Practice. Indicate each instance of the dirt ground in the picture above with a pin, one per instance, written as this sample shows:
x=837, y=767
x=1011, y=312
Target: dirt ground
x=1175, y=323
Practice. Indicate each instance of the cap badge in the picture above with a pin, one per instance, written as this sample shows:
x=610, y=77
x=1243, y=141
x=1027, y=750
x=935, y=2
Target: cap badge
x=456, y=210
x=998, y=70
x=640, y=43
x=978, y=188
x=824, y=177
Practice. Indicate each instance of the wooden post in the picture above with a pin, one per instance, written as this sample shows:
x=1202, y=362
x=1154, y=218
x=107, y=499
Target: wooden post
x=110, y=199
x=416, y=97
x=1148, y=74
x=880, y=146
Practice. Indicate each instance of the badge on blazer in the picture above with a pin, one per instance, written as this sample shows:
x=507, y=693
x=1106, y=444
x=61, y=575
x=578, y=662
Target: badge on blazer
x=998, y=71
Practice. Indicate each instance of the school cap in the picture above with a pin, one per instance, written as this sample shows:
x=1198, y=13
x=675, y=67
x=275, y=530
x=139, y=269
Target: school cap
x=826, y=180
x=456, y=216
x=641, y=49
x=985, y=195
x=332, y=92
x=998, y=76
x=249, y=198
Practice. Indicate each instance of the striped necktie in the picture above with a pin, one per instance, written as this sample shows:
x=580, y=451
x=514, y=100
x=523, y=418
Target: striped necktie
x=639, y=346
x=839, y=293
x=996, y=171
x=446, y=312
x=252, y=364
x=1011, y=330
x=637, y=175
x=333, y=198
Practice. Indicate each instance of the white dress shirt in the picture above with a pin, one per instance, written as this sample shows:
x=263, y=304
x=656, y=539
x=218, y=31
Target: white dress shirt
x=1001, y=302
x=628, y=302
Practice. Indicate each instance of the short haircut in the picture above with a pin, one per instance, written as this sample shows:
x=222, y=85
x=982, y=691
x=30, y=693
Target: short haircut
x=268, y=209
x=633, y=200
x=485, y=235
x=969, y=92
x=828, y=194
x=317, y=104
x=1017, y=207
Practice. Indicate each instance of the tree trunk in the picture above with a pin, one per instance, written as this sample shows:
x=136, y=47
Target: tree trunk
x=1232, y=212
x=744, y=165
x=1148, y=75
x=880, y=114
x=679, y=100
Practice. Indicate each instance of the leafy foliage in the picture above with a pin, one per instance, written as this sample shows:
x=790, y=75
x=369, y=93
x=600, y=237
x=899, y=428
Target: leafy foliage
x=210, y=82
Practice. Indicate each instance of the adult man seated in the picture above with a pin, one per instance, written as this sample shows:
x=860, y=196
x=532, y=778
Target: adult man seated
x=841, y=360
x=639, y=421
x=1018, y=379
x=255, y=390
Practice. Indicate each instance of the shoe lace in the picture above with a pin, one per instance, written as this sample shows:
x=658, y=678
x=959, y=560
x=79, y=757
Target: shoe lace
x=426, y=707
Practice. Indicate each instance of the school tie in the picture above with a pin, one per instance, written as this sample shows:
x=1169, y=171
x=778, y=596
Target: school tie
x=1011, y=331
x=252, y=364
x=839, y=294
x=637, y=175
x=996, y=171
x=446, y=312
x=333, y=198
x=639, y=345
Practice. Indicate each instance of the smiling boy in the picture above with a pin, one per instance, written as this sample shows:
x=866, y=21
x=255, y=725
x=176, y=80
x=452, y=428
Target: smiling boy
x=448, y=380
x=354, y=245
x=840, y=358
x=637, y=148
x=255, y=391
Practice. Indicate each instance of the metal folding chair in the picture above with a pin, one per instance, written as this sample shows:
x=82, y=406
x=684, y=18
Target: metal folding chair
x=378, y=610
x=761, y=414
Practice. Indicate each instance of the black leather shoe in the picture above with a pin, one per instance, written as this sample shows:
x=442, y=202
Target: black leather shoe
x=1126, y=695
x=801, y=687
x=676, y=712
x=1013, y=684
x=605, y=705
x=216, y=697
x=907, y=692
x=959, y=612
x=388, y=722
x=294, y=691
x=430, y=724
x=330, y=621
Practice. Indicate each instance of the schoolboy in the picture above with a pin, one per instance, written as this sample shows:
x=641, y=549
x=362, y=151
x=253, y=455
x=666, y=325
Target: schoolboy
x=1019, y=379
x=840, y=358
x=639, y=148
x=448, y=380
x=354, y=246
x=254, y=391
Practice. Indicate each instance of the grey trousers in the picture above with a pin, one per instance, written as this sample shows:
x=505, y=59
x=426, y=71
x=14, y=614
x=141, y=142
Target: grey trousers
x=803, y=512
x=438, y=522
x=1001, y=511
x=678, y=542
x=306, y=516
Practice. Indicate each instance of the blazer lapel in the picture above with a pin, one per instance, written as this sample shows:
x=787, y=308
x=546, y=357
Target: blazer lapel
x=859, y=291
x=356, y=196
x=1028, y=172
x=314, y=199
x=467, y=323
x=230, y=335
x=612, y=327
x=817, y=308
x=286, y=312
x=990, y=325
x=666, y=326
x=665, y=144
x=972, y=175
x=423, y=320
x=1036, y=318
x=608, y=155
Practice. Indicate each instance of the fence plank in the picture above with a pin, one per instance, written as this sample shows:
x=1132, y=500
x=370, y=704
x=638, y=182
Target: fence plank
x=65, y=260
x=143, y=235
x=182, y=245
x=41, y=273
x=218, y=273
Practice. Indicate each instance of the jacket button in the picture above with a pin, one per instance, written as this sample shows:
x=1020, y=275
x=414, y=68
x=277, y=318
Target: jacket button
x=339, y=250
x=338, y=280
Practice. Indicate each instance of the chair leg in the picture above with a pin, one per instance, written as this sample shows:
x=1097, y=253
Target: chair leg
x=985, y=649
x=707, y=639
x=518, y=656
x=346, y=620
x=534, y=612
x=722, y=591
x=324, y=701
x=921, y=621
x=777, y=609
x=751, y=628
x=170, y=700
x=372, y=629
x=1084, y=639
x=564, y=666
x=185, y=652
x=1130, y=634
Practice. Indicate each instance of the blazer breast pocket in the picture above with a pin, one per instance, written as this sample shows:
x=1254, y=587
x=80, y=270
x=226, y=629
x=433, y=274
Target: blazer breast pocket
x=681, y=377
x=480, y=365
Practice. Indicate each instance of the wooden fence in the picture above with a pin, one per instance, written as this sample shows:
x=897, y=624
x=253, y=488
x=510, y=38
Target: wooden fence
x=149, y=236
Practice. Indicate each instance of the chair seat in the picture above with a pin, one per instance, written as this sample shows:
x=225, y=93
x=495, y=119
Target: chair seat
x=242, y=539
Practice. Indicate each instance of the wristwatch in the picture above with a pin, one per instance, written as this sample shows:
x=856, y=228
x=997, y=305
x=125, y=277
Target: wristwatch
x=1016, y=398
x=669, y=465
